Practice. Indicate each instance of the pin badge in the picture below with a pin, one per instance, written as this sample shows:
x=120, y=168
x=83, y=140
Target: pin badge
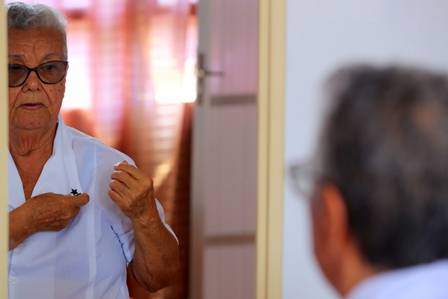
x=75, y=192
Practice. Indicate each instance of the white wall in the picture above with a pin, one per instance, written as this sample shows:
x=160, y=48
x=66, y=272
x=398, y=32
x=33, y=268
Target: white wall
x=321, y=35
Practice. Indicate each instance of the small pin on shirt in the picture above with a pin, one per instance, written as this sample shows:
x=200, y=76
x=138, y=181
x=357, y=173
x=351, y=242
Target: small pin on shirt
x=75, y=192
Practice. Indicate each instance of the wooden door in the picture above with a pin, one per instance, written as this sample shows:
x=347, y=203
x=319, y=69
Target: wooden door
x=225, y=152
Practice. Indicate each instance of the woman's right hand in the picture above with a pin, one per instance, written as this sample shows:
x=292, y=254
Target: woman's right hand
x=45, y=212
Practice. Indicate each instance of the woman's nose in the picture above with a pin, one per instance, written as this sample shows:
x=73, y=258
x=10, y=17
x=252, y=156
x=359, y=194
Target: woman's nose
x=32, y=82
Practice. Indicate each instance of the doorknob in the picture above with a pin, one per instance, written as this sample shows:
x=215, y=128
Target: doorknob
x=202, y=73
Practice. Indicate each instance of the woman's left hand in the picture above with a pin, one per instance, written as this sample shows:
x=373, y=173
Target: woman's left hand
x=156, y=259
x=133, y=191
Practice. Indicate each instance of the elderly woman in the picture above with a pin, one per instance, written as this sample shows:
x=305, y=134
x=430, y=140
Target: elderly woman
x=80, y=212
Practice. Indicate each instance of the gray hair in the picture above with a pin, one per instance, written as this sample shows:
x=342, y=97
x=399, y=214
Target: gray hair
x=385, y=146
x=27, y=16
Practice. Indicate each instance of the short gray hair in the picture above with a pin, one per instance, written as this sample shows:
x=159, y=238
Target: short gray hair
x=385, y=146
x=27, y=16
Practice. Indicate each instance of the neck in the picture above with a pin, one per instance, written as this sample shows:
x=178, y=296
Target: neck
x=31, y=143
x=353, y=272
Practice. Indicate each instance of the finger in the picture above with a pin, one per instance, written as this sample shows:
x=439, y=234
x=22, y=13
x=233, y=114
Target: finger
x=115, y=196
x=119, y=187
x=76, y=200
x=75, y=212
x=124, y=178
x=80, y=200
x=63, y=223
x=65, y=218
x=50, y=194
x=130, y=169
x=137, y=174
x=68, y=214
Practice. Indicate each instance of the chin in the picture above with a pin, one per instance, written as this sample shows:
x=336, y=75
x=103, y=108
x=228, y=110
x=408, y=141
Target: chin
x=32, y=122
x=32, y=119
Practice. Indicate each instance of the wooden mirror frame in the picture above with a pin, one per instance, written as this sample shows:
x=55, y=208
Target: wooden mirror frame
x=3, y=157
x=271, y=101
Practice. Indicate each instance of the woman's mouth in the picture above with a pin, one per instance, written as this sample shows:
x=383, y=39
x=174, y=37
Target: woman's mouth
x=32, y=106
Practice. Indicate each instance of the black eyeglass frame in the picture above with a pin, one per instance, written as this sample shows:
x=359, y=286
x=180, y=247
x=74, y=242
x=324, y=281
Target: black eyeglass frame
x=36, y=70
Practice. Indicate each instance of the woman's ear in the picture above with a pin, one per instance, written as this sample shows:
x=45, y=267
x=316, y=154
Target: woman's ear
x=330, y=231
x=336, y=247
x=334, y=210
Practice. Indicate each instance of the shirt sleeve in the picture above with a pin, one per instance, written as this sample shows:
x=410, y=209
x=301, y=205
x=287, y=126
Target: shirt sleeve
x=96, y=162
x=162, y=217
x=119, y=223
x=125, y=233
x=125, y=236
x=122, y=225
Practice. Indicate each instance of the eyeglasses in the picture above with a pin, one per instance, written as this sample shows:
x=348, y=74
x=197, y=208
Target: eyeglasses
x=51, y=72
x=304, y=179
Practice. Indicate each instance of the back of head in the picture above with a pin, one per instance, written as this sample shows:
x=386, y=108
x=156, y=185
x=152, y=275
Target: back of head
x=27, y=16
x=385, y=146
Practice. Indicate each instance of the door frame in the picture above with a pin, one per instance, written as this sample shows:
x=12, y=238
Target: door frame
x=270, y=181
x=3, y=157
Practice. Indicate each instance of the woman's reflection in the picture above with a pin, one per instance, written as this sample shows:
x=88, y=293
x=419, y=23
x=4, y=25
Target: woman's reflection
x=80, y=212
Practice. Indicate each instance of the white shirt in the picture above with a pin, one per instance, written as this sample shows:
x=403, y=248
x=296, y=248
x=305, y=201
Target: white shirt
x=87, y=259
x=427, y=281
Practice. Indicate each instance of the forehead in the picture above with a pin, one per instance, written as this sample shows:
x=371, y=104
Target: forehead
x=36, y=43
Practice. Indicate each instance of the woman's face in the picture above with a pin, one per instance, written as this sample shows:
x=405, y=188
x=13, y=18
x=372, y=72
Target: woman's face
x=35, y=105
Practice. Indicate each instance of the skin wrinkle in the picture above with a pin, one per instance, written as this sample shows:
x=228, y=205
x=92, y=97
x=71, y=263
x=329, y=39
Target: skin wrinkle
x=32, y=130
x=49, y=57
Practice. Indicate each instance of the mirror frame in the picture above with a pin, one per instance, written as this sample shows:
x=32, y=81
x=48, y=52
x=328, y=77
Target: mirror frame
x=3, y=157
x=270, y=182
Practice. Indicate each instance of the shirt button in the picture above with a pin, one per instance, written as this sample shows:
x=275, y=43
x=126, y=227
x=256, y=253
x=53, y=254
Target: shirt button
x=12, y=280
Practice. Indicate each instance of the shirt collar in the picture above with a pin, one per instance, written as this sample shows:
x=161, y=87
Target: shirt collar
x=59, y=174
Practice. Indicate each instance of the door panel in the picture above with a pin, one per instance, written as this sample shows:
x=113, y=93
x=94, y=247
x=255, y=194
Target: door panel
x=224, y=152
x=230, y=170
x=224, y=276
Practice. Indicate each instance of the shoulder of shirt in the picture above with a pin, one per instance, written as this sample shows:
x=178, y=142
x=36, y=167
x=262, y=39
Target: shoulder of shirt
x=80, y=139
